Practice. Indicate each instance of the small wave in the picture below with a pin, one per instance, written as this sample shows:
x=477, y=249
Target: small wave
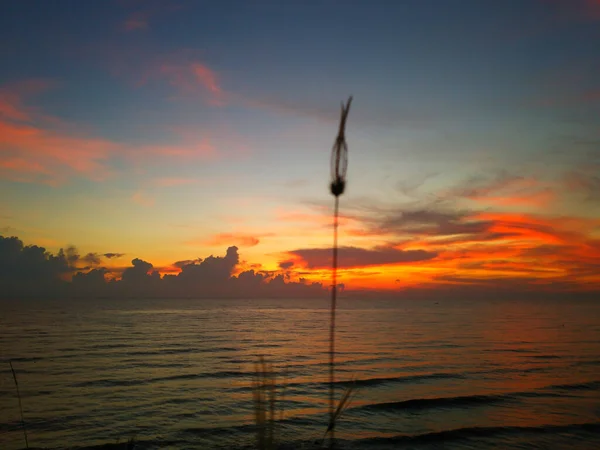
x=179, y=351
x=40, y=423
x=220, y=431
x=22, y=359
x=144, y=443
x=366, y=382
x=480, y=432
x=127, y=363
x=436, y=402
x=266, y=345
x=453, y=402
x=510, y=350
x=505, y=370
x=305, y=421
x=139, y=382
x=106, y=346
x=401, y=379
x=586, y=363
x=589, y=386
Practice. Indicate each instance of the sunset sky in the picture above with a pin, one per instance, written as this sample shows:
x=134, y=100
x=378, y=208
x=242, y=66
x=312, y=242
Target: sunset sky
x=170, y=131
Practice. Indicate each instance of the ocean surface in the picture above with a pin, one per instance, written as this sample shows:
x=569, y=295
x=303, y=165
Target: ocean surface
x=177, y=374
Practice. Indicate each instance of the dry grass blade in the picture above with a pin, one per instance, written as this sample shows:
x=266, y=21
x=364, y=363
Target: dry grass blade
x=131, y=443
x=282, y=396
x=14, y=374
x=342, y=405
x=264, y=393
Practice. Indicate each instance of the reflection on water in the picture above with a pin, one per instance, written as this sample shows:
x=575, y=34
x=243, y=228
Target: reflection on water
x=178, y=373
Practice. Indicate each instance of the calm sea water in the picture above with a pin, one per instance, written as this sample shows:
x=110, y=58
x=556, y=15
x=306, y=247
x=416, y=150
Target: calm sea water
x=178, y=374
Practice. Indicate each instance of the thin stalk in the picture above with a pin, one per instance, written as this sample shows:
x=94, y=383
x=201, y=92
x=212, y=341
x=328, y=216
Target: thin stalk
x=339, y=165
x=332, y=324
x=14, y=374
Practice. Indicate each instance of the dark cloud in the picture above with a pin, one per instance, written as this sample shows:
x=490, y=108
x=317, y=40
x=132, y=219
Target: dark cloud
x=483, y=185
x=93, y=259
x=70, y=254
x=92, y=283
x=213, y=277
x=286, y=264
x=214, y=269
x=585, y=183
x=542, y=251
x=411, y=185
x=31, y=271
x=140, y=270
x=186, y=262
x=113, y=255
x=360, y=257
x=426, y=222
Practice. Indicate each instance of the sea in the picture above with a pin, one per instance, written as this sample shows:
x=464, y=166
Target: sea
x=178, y=374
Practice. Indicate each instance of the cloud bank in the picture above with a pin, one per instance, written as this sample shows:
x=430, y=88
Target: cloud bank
x=29, y=271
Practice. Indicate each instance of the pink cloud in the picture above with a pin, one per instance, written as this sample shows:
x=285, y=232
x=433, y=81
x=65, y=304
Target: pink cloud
x=593, y=8
x=11, y=109
x=188, y=150
x=12, y=95
x=35, y=147
x=140, y=19
x=135, y=23
x=22, y=165
x=207, y=77
x=189, y=78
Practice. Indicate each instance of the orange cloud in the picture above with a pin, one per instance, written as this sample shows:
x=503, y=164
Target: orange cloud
x=469, y=249
x=541, y=198
x=505, y=190
x=174, y=181
x=229, y=239
x=142, y=199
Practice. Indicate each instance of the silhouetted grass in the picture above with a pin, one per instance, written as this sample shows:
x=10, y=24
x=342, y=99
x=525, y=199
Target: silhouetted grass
x=264, y=386
x=269, y=397
x=339, y=166
x=14, y=374
x=264, y=392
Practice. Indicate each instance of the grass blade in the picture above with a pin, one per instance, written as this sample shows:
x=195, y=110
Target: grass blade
x=14, y=374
